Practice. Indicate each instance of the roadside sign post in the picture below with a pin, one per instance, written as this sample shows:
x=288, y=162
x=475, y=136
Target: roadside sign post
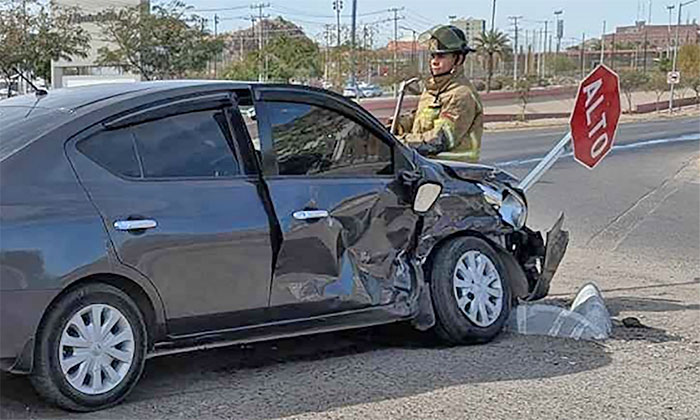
x=673, y=77
x=593, y=124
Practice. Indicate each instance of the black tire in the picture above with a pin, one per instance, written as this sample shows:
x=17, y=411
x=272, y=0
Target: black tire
x=47, y=376
x=452, y=325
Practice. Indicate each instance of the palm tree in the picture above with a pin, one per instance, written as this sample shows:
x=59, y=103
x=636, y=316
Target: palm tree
x=490, y=44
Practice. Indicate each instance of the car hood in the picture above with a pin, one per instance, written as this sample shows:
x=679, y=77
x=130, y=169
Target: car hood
x=478, y=173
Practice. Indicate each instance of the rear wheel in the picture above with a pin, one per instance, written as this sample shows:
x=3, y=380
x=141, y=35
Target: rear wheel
x=471, y=293
x=91, y=349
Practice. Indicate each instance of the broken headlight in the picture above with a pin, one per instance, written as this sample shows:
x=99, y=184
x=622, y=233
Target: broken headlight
x=509, y=204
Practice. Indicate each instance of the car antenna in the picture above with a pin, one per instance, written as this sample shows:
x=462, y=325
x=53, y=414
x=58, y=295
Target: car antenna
x=37, y=91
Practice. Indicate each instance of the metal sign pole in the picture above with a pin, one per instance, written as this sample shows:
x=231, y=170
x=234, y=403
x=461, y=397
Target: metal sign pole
x=535, y=174
x=399, y=101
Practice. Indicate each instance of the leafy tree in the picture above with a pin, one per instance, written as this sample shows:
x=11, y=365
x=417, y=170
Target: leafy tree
x=689, y=60
x=693, y=83
x=664, y=64
x=162, y=44
x=657, y=83
x=31, y=36
x=287, y=57
x=630, y=81
x=562, y=64
x=292, y=58
x=492, y=44
x=246, y=69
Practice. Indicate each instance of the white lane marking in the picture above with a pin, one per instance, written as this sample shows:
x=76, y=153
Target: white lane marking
x=636, y=145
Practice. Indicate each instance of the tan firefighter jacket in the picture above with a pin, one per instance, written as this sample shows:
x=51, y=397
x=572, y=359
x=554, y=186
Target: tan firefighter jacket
x=449, y=120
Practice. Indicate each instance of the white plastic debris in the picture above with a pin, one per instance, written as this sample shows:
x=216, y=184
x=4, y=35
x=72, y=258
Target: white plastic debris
x=586, y=319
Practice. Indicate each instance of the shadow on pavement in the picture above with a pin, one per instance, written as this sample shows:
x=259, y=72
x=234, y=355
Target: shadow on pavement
x=318, y=373
x=642, y=304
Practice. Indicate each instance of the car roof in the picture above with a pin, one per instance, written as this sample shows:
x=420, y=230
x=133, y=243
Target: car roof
x=24, y=118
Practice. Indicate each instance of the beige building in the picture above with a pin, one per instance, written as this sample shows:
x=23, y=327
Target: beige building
x=472, y=28
x=84, y=71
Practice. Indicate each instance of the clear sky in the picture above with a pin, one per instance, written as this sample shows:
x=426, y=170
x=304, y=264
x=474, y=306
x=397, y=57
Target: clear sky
x=579, y=15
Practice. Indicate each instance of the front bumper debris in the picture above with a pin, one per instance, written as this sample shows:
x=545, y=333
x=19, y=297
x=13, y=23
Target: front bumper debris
x=557, y=242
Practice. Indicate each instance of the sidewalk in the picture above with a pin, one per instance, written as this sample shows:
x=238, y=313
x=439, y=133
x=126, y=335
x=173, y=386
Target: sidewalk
x=543, y=110
x=687, y=111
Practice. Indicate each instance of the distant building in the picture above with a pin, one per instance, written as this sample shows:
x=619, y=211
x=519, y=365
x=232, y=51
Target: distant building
x=658, y=37
x=85, y=71
x=472, y=28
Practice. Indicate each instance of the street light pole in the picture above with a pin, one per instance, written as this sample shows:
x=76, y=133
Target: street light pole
x=675, y=50
x=670, y=10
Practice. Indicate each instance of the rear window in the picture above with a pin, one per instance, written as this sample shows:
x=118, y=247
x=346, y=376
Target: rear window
x=21, y=125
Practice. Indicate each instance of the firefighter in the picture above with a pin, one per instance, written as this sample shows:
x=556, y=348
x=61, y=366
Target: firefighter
x=449, y=120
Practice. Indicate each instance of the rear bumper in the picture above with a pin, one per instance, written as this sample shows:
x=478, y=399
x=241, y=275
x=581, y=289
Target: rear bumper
x=20, y=314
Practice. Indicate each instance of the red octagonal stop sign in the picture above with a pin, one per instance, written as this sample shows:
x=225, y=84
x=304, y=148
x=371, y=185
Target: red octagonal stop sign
x=595, y=116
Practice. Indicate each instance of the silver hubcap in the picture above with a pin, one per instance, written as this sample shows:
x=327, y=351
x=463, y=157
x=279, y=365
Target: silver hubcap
x=478, y=288
x=96, y=349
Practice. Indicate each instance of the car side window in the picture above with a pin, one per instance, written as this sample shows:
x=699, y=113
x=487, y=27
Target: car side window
x=114, y=150
x=192, y=145
x=197, y=144
x=315, y=141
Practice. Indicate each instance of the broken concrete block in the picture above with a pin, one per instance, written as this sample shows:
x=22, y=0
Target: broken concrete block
x=586, y=319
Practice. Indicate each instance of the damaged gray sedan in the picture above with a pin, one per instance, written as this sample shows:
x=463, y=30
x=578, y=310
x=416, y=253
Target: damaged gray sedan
x=147, y=219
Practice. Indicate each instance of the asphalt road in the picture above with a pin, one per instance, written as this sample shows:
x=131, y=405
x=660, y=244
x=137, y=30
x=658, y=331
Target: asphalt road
x=635, y=231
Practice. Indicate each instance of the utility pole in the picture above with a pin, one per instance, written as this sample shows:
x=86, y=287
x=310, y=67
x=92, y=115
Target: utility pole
x=261, y=61
x=515, y=55
x=493, y=16
x=216, y=33
x=526, y=71
x=675, y=49
x=583, y=54
x=544, y=47
x=396, y=19
x=327, y=36
x=560, y=27
x=602, y=44
x=353, y=54
x=644, y=63
x=413, y=46
x=670, y=10
x=338, y=6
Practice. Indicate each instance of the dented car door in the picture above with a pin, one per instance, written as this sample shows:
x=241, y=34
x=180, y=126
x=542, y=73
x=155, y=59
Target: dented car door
x=345, y=218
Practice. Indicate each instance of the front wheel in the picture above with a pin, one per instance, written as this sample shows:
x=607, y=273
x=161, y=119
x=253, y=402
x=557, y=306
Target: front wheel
x=470, y=290
x=90, y=349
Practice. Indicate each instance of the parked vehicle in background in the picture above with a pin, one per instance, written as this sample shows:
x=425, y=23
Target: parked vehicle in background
x=371, y=90
x=146, y=219
x=351, y=91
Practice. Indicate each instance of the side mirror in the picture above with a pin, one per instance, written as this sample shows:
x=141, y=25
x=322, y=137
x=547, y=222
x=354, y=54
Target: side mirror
x=428, y=189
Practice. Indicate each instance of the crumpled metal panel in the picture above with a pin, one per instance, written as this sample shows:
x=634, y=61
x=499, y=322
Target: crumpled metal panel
x=356, y=257
x=461, y=207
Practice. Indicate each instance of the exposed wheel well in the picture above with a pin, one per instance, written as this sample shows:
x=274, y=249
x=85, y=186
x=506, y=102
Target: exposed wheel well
x=428, y=264
x=126, y=285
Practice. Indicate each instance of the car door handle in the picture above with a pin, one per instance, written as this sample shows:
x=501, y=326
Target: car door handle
x=135, y=224
x=310, y=214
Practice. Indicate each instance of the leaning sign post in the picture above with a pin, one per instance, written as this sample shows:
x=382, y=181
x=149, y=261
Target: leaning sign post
x=593, y=124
